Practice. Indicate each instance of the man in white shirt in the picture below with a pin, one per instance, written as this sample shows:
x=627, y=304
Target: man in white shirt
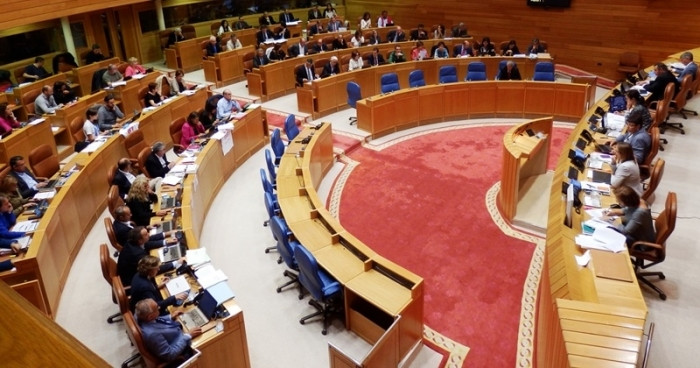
x=44, y=103
x=226, y=106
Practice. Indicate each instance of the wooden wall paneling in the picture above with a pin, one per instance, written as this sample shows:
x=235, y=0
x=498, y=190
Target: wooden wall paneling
x=407, y=111
x=590, y=35
x=510, y=98
x=458, y=101
x=431, y=105
x=566, y=99
x=482, y=99
x=130, y=28
x=539, y=98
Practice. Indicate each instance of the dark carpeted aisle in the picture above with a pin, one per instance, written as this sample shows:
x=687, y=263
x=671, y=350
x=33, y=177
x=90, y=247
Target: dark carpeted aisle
x=421, y=203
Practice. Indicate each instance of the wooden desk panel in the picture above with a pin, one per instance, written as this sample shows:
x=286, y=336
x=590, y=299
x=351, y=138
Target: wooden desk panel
x=510, y=100
x=24, y=140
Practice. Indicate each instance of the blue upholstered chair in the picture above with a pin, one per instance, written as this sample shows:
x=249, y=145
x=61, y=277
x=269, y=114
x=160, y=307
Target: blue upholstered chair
x=501, y=65
x=272, y=170
x=277, y=146
x=286, y=247
x=390, y=82
x=354, y=94
x=476, y=71
x=290, y=127
x=324, y=290
x=416, y=79
x=268, y=189
x=273, y=209
x=544, y=71
x=448, y=74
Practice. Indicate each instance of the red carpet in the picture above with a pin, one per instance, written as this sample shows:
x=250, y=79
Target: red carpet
x=421, y=204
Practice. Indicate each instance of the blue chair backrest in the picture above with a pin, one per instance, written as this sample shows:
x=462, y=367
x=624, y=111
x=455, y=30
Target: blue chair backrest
x=476, y=71
x=501, y=65
x=390, y=82
x=544, y=71
x=277, y=145
x=354, y=93
x=271, y=205
x=416, y=79
x=267, y=186
x=290, y=127
x=284, y=246
x=319, y=284
x=270, y=166
x=448, y=74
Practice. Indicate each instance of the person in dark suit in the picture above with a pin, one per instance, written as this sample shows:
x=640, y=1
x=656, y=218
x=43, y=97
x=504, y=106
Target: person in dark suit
x=286, y=17
x=306, y=73
x=460, y=30
x=331, y=68
x=157, y=163
x=374, y=38
x=298, y=49
x=132, y=253
x=260, y=58
x=162, y=336
x=318, y=46
x=123, y=177
x=339, y=43
x=419, y=33
x=315, y=28
x=175, y=36
x=376, y=58
x=315, y=13
x=143, y=285
x=276, y=54
x=283, y=34
x=264, y=34
x=509, y=72
x=95, y=55
x=266, y=20
x=658, y=86
x=213, y=46
x=536, y=47
x=486, y=48
x=241, y=24
x=334, y=25
x=122, y=225
x=140, y=200
x=396, y=35
x=27, y=184
x=463, y=50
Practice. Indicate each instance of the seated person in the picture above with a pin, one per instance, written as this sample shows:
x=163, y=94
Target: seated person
x=163, y=336
x=439, y=32
x=134, y=68
x=397, y=56
x=191, y=130
x=419, y=33
x=8, y=239
x=331, y=68
x=123, y=178
x=286, y=16
x=134, y=249
x=276, y=53
x=45, y=103
x=486, y=48
x=95, y=55
x=260, y=58
x=62, y=93
x=122, y=225
x=318, y=47
x=638, y=138
x=112, y=75
x=357, y=39
x=157, y=163
x=355, y=62
x=208, y=116
x=8, y=121
x=36, y=71
x=233, y=43
x=143, y=285
x=384, y=20
x=241, y=24
x=509, y=72
x=510, y=49
x=28, y=184
x=315, y=28
x=108, y=114
x=637, y=224
x=657, y=87
x=140, y=199
x=152, y=97
x=213, y=46
x=441, y=51
x=535, y=47
x=9, y=190
x=283, y=33
x=223, y=28
x=396, y=35
x=625, y=170
x=175, y=36
x=90, y=129
x=266, y=20
x=637, y=105
x=374, y=38
x=334, y=25
x=7, y=265
x=339, y=43
x=264, y=35
x=298, y=49
x=463, y=50
x=314, y=13
x=306, y=73
x=375, y=58
x=366, y=21
x=460, y=30
x=227, y=105
x=690, y=67
x=419, y=52
x=180, y=85
x=330, y=11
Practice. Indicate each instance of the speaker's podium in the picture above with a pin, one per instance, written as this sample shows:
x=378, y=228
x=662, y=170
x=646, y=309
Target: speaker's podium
x=524, y=179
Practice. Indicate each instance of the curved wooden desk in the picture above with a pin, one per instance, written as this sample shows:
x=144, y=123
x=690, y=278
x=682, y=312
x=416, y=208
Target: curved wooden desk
x=407, y=108
x=383, y=301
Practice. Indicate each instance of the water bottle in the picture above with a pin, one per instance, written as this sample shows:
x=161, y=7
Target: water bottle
x=303, y=34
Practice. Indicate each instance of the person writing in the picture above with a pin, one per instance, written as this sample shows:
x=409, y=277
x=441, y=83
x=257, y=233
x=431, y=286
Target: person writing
x=625, y=170
x=191, y=130
x=637, y=224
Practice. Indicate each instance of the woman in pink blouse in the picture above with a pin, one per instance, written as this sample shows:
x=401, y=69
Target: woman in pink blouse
x=191, y=129
x=7, y=119
x=134, y=68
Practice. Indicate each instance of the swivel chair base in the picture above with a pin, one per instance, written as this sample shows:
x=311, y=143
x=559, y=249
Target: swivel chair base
x=641, y=277
x=327, y=310
x=353, y=120
x=131, y=359
x=667, y=125
x=116, y=317
x=293, y=279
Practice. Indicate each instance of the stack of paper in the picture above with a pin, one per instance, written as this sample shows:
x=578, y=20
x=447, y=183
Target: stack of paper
x=602, y=188
x=603, y=238
x=25, y=226
x=598, y=156
x=171, y=180
x=207, y=276
x=177, y=285
x=197, y=256
x=614, y=121
x=92, y=147
x=45, y=195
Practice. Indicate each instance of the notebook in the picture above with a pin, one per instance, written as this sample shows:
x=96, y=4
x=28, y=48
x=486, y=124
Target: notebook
x=200, y=315
x=169, y=253
x=601, y=177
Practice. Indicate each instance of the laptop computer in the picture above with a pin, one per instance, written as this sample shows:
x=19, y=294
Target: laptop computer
x=581, y=143
x=601, y=177
x=201, y=314
x=603, y=148
x=642, y=74
x=573, y=173
x=170, y=253
x=167, y=202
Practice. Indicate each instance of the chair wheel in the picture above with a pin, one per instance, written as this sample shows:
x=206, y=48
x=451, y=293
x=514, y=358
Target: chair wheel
x=324, y=332
x=301, y=297
x=662, y=296
x=662, y=276
x=279, y=260
x=683, y=132
x=301, y=321
x=267, y=251
x=680, y=125
x=279, y=290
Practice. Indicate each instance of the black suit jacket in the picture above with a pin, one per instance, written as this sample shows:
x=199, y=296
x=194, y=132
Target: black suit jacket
x=258, y=61
x=657, y=88
x=261, y=37
x=315, y=14
x=128, y=260
x=213, y=49
x=416, y=35
x=155, y=169
x=141, y=211
x=121, y=232
x=294, y=50
x=329, y=70
x=392, y=37
x=285, y=18
x=122, y=182
x=301, y=74
x=23, y=188
x=144, y=288
x=267, y=20
x=514, y=74
x=284, y=34
x=372, y=62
